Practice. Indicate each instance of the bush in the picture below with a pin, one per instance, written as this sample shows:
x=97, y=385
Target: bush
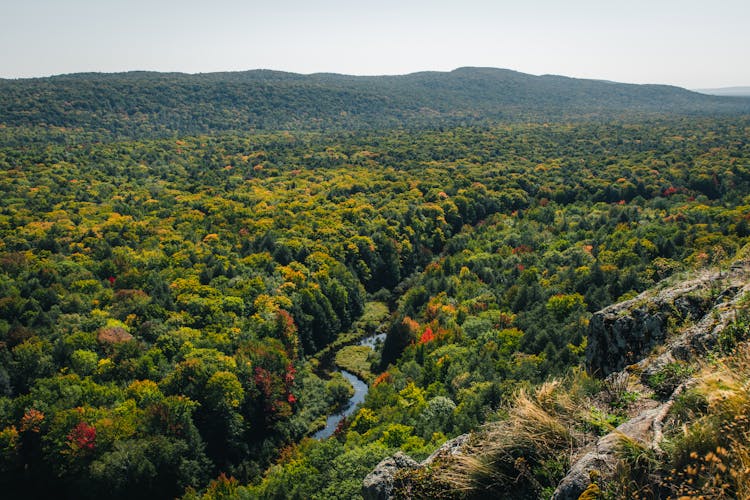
x=669, y=377
x=339, y=390
x=733, y=334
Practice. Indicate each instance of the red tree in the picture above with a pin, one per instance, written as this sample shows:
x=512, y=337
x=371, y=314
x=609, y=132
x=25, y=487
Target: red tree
x=427, y=336
x=83, y=437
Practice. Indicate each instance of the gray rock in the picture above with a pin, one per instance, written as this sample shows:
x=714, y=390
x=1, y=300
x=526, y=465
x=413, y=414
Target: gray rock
x=378, y=485
x=639, y=428
x=624, y=333
x=578, y=478
x=451, y=447
x=619, y=337
x=627, y=332
x=603, y=459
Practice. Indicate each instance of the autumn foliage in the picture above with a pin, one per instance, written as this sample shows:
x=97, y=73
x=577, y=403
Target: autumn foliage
x=427, y=336
x=165, y=318
x=82, y=437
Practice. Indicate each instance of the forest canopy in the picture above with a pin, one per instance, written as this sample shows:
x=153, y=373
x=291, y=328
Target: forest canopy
x=169, y=296
x=147, y=104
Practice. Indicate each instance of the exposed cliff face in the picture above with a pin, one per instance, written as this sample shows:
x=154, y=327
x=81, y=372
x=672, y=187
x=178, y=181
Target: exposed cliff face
x=624, y=333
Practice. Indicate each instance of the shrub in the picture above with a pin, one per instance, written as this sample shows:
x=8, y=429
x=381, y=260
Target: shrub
x=733, y=334
x=669, y=377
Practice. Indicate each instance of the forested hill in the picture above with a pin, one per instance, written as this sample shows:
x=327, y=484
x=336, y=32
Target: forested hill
x=142, y=104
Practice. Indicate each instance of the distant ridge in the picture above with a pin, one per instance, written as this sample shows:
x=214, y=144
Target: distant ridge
x=142, y=103
x=727, y=91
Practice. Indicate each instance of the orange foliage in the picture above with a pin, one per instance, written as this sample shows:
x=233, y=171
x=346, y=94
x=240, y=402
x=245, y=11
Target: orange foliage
x=427, y=336
x=411, y=325
x=32, y=420
x=384, y=377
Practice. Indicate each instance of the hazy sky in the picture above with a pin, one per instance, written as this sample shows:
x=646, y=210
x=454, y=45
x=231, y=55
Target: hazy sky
x=682, y=42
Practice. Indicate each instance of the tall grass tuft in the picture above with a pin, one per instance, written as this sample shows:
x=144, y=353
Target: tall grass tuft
x=525, y=455
x=710, y=456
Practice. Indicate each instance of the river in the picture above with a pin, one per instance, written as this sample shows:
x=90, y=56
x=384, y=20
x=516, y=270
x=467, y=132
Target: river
x=360, y=391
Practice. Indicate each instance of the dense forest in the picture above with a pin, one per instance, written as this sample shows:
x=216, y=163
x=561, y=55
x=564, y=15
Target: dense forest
x=143, y=104
x=166, y=293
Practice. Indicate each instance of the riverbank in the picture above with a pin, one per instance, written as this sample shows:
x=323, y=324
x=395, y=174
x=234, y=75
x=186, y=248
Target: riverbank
x=368, y=325
x=332, y=422
x=352, y=356
x=357, y=359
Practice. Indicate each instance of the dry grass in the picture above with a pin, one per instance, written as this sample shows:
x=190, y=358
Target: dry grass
x=542, y=419
x=706, y=453
x=636, y=470
x=521, y=456
x=710, y=456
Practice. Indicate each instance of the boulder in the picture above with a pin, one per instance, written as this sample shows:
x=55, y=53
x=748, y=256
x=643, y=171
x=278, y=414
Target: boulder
x=579, y=476
x=378, y=485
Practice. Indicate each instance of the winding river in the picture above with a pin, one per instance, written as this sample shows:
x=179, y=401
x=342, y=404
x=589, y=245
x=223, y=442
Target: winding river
x=360, y=391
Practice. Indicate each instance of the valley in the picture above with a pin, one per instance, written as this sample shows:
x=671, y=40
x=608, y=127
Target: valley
x=193, y=269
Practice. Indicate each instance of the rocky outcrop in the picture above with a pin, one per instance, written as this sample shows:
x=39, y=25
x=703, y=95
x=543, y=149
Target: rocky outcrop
x=700, y=337
x=603, y=459
x=625, y=333
x=579, y=476
x=379, y=484
x=628, y=341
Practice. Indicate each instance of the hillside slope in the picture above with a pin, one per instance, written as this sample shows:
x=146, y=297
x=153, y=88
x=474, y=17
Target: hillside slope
x=142, y=104
x=673, y=424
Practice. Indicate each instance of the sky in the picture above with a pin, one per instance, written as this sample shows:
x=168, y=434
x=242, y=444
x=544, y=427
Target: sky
x=692, y=44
